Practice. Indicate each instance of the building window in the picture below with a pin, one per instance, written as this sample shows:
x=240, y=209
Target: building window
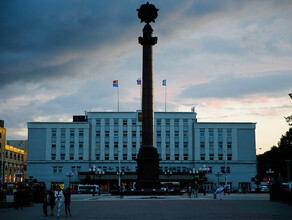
x=220, y=132
x=116, y=145
x=116, y=133
x=63, y=131
x=97, y=133
x=158, y=144
x=125, y=121
x=124, y=156
x=185, y=121
x=106, y=157
x=229, y=156
x=158, y=133
x=202, y=145
x=73, y=169
x=176, y=133
x=62, y=144
x=202, y=156
x=220, y=145
x=125, y=133
x=133, y=121
x=210, y=170
x=211, y=144
x=176, y=145
x=71, y=156
x=81, y=132
x=211, y=133
x=186, y=157
x=106, y=134
x=133, y=133
x=80, y=144
x=133, y=145
x=53, y=156
x=176, y=122
x=134, y=156
x=97, y=122
x=220, y=156
x=125, y=145
x=229, y=145
x=116, y=121
x=167, y=145
x=71, y=144
x=185, y=134
x=202, y=132
x=167, y=133
x=80, y=157
x=57, y=169
x=158, y=122
x=72, y=132
x=167, y=122
x=229, y=132
x=185, y=145
x=211, y=156
x=167, y=157
x=54, y=131
x=62, y=156
x=116, y=157
x=97, y=156
x=176, y=156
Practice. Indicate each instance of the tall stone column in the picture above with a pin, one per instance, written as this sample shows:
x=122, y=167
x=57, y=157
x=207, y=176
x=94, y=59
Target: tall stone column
x=148, y=158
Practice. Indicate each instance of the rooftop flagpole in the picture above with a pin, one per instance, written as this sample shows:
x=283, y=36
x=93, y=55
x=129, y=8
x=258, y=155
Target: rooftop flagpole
x=164, y=84
x=116, y=84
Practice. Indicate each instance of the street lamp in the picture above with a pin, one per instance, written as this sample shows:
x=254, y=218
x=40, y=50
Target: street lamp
x=168, y=173
x=204, y=169
x=119, y=174
x=100, y=173
x=218, y=174
x=193, y=172
x=92, y=171
x=69, y=175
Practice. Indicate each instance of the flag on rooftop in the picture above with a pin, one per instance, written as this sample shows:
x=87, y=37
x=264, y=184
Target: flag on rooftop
x=115, y=83
x=139, y=81
x=164, y=82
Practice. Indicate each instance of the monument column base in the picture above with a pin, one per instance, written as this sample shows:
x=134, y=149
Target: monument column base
x=148, y=168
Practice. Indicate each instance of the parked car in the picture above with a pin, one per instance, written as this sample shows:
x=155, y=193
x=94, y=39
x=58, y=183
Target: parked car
x=265, y=189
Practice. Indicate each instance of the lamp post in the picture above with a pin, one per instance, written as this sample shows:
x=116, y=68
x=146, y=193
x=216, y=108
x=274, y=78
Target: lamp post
x=92, y=171
x=270, y=172
x=168, y=173
x=218, y=174
x=69, y=175
x=119, y=174
x=193, y=172
x=100, y=173
x=288, y=176
x=204, y=169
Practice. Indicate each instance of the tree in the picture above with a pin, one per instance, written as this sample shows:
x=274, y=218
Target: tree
x=275, y=159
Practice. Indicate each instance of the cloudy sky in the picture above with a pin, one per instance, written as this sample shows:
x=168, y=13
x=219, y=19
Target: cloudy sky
x=230, y=59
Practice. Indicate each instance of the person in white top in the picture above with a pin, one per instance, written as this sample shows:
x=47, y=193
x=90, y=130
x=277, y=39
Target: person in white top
x=59, y=199
x=220, y=190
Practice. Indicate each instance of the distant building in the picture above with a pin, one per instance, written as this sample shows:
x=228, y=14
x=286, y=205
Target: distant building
x=109, y=140
x=2, y=148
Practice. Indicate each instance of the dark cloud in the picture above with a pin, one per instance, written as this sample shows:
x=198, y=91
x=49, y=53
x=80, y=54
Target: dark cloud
x=230, y=86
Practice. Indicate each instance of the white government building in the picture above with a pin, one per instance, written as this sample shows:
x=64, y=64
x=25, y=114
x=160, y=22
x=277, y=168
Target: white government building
x=109, y=140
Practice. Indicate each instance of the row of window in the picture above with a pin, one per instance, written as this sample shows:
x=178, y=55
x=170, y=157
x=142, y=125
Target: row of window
x=74, y=169
x=125, y=121
x=134, y=133
x=220, y=145
x=72, y=132
x=13, y=155
x=211, y=132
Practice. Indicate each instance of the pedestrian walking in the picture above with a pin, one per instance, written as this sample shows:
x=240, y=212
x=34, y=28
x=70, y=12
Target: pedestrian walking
x=59, y=197
x=214, y=188
x=45, y=203
x=220, y=190
x=52, y=200
x=67, y=195
x=196, y=188
x=190, y=190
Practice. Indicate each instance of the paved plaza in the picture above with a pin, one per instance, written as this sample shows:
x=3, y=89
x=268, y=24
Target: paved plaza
x=235, y=206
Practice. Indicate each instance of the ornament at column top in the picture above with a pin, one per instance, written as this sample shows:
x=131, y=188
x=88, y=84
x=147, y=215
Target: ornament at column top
x=147, y=13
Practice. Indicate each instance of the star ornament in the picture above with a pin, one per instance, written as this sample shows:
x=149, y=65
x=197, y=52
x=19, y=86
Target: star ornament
x=147, y=13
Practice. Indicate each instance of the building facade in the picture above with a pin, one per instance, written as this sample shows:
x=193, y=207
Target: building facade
x=110, y=141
